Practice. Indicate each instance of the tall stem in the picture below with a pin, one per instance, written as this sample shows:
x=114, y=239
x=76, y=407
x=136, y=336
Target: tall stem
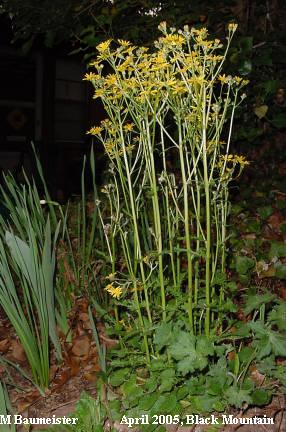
x=187, y=227
x=208, y=222
x=138, y=252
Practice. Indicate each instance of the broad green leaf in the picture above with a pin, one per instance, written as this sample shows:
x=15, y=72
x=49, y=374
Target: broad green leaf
x=267, y=341
x=246, y=43
x=265, y=212
x=163, y=335
x=204, y=346
x=131, y=390
x=278, y=343
x=280, y=270
x=191, y=363
x=245, y=67
x=267, y=365
x=204, y=403
x=168, y=379
x=184, y=346
x=237, y=397
x=119, y=376
x=277, y=249
x=279, y=121
x=182, y=392
x=151, y=384
x=157, y=365
x=147, y=402
x=254, y=301
x=165, y=404
x=277, y=315
x=246, y=354
x=215, y=385
x=261, y=397
x=228, y=305
x=244, y=264
x=280, y=374
x=196, y=385
x=190, y=357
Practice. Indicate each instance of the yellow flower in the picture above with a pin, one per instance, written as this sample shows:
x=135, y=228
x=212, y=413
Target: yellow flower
x=106, y=123
x=234, y=159
x=180, y=89
x=200, y=33
x=104, y=46
x=232, y=27
x=95, y=130
x=98, y=93
x=172, y=39
x=237, y=79
x=90, y=76
x=126, y=326
x=139, y=287
x=129, y=148
x=128, y=127
x=111, y=276
x=115, y=292
x=223, y=79
x=241, y=160
x=171, y=82
x=111, y=80
x=214, y=58
x=124, y=43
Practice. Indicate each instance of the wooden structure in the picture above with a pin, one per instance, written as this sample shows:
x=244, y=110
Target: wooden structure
x=43, y=99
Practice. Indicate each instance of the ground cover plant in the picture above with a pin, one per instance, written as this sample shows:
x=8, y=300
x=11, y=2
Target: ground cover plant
x=153, y=255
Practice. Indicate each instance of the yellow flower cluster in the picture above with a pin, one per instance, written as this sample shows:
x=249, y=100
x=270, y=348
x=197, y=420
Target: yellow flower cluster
x=104, y=46
x=184, y=66
x=183, y=62
x=233, y=159
x=174, y=40
x=232, y=80
x=95, y=130
x=232, y=27
x=91, y=76
x=128, y=127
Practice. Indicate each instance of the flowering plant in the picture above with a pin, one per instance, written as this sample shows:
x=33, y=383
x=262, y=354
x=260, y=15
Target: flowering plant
x=169, y=174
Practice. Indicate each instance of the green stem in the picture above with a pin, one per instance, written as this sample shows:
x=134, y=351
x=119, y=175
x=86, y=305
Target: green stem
x=137, y=242
x=157, y=217
x=208, y=227
x=187, y=228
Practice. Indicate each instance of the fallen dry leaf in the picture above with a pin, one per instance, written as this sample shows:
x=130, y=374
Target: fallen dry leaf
x=53, y=370
x=81, y=346
x=90, y=376
x=74, y=365
x=282, y=292
x=4, y=346
x=276, y=220
x=62, y=377
x=83, y=316
x=256, y=376
x=16, y=352
x=231, y=355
